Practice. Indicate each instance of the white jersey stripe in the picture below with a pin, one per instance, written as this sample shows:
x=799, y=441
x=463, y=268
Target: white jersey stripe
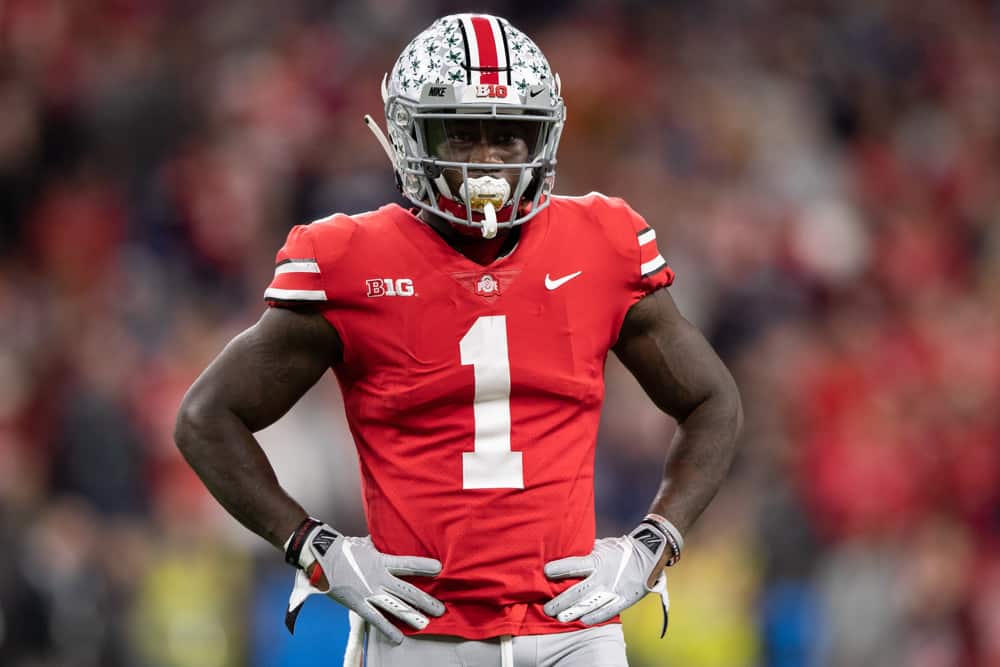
x=647, y=236
x=295, y=294
x=296, y=267
x=652, y=265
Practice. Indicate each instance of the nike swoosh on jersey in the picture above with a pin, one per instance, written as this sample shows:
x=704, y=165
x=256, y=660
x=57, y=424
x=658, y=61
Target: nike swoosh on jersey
x=551, y=284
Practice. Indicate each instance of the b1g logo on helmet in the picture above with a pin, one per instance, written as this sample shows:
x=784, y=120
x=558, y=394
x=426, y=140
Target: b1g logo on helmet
x=493, y=90
x=389, y=287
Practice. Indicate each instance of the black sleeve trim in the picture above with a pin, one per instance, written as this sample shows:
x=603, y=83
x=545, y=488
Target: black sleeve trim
x=299, y=259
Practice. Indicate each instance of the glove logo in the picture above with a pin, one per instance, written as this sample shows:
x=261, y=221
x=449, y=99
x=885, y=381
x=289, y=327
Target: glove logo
x=649, y=539
x=321, y=543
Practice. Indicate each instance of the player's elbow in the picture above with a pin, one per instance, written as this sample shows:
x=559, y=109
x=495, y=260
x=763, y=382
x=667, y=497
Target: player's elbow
x=719, y=412
x=194, y=419
x=737, y=418
x=729, y=409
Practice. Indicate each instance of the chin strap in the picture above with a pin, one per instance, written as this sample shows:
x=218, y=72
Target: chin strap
x=380, y=137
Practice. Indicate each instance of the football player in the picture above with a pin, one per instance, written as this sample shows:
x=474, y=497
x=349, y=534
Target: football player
x=469, y=336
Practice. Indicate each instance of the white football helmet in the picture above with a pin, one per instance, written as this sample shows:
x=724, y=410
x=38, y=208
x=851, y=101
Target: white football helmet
x=467, y=68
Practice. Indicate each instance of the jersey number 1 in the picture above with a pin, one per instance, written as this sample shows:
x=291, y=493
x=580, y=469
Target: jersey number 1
x=491, y=465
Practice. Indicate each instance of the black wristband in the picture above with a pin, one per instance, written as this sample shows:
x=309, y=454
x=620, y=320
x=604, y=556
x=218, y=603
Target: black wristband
x=298, y=540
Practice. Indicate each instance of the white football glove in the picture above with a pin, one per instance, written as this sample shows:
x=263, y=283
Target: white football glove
x=618, y=573
x=354, y=573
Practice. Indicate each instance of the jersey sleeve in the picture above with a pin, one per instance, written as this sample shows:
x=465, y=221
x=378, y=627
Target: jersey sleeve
x=297, y=277
x=647, y=270
x=653, y=272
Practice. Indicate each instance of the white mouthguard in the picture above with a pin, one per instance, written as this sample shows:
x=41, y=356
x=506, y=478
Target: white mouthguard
x=486, y=195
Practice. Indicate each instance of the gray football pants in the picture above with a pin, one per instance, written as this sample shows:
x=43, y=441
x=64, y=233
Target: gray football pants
x=603, y=646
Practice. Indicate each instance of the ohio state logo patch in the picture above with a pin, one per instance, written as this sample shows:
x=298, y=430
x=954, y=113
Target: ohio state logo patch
x=487, y=285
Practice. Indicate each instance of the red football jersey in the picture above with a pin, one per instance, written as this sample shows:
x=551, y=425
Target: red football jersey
x=474, y=392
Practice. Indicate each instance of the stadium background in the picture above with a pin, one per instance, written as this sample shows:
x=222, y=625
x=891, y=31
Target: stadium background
x=824, y=177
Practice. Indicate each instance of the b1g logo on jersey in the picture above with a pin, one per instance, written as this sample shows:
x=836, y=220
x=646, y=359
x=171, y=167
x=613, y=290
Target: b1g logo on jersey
x=487, y=285
x=389, y=287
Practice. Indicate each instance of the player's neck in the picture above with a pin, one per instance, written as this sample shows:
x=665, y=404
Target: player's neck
x=472, y=244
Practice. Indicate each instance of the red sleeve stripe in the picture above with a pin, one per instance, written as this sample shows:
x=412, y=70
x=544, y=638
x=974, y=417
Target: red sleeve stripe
x=652, y=266
x=295, y=294
x=647, y=235
x=296, y=266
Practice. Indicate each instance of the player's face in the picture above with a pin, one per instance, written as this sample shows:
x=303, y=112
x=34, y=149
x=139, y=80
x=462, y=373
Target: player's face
x=488, y=141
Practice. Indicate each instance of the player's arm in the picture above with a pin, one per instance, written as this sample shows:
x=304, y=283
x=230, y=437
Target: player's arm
x=254, y=381
x=685, y=378
x=259, y=375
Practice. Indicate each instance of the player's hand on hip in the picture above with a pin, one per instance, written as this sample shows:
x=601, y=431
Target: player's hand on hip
x=616, y=574
x=357, y=575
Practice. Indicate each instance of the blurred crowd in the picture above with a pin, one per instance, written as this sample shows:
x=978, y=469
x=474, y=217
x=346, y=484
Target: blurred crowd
x=824, y=177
